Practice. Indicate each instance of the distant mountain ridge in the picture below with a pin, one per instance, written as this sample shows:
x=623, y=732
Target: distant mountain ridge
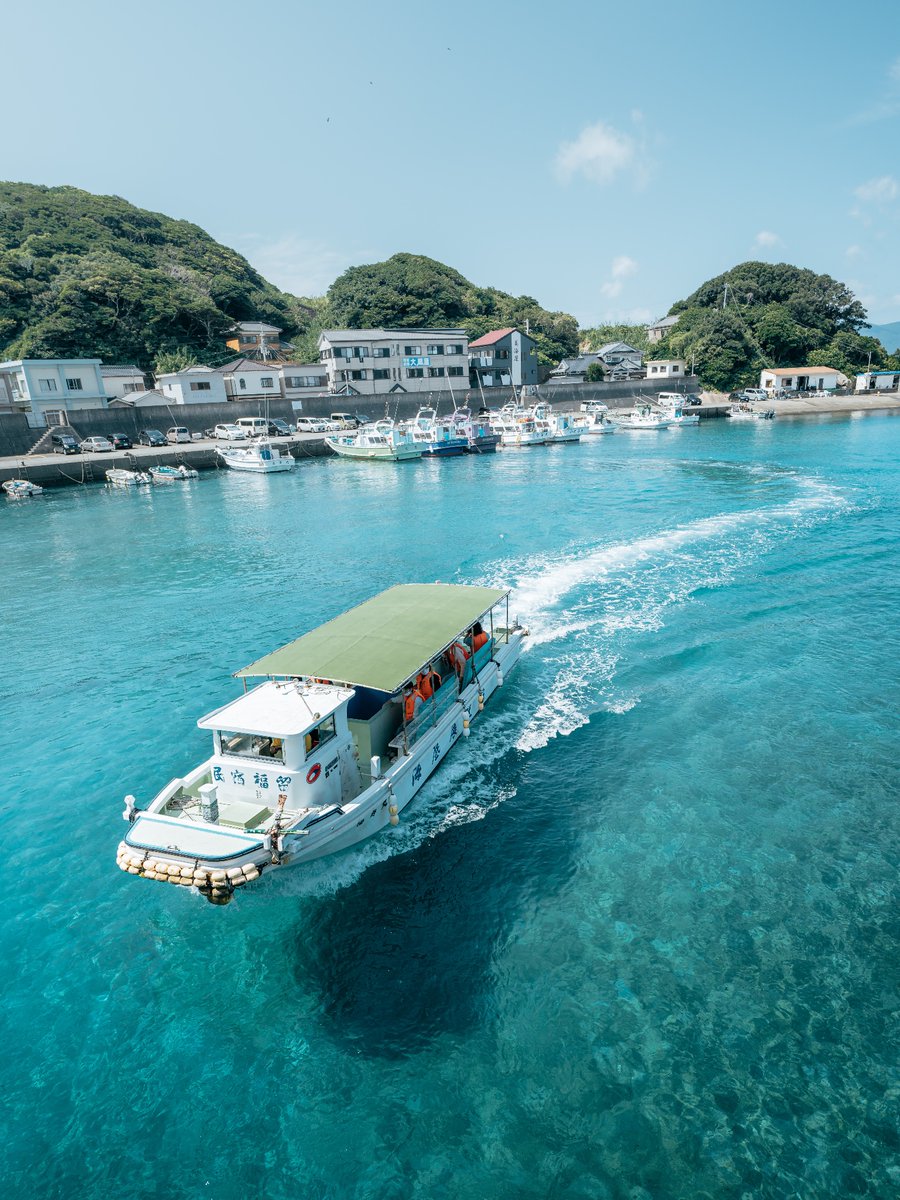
x=888, y=335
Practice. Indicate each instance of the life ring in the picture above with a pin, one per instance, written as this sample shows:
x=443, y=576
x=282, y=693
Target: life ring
x=313, y=773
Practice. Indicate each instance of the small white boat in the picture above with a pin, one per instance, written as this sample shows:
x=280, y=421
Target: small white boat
x=260, y=456
x=641, y=417
x=435, y=437
x=559, y=427
x=334, y=744
x=21, y=489
x=746, y=412
x=120, y=478
x=380, y=441
x=173, y=474
x=595, y=419
x=480, y=438
x=517, y=427
x=672, y=406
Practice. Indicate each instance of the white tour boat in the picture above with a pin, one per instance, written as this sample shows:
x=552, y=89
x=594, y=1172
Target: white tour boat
x=379, y=441
x=260, y=456
x=641, y=417
x=333, y=745
x=120, y=478
x=21, y=489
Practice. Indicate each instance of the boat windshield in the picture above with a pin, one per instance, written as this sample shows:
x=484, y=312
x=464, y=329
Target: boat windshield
x=251, y=745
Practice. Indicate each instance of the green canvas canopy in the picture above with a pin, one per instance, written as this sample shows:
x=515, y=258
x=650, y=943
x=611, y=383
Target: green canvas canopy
x=384, y=642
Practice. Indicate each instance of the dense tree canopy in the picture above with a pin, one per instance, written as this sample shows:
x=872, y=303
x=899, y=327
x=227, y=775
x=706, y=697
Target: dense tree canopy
x=86, y=275
x=761, y=315
x=602, y=335
x=412, y=290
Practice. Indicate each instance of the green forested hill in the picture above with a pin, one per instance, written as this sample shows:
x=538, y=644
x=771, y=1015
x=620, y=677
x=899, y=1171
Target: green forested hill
x=87, y=275
x=410, y=289
x=94, y=276
x=761, y=315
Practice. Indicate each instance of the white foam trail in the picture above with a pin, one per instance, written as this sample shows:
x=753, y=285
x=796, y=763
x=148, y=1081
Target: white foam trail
x=630, y=588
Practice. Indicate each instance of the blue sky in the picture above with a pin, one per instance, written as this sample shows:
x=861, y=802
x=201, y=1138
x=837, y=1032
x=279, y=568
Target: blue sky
x=604, y=158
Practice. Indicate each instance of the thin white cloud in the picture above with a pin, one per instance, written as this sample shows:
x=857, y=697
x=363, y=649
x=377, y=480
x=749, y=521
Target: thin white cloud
x=302, y=266
x=599, y=153
x=887, y=104
x=853, y=251
x=765, y=239
x=622, y=267
x=882, y=190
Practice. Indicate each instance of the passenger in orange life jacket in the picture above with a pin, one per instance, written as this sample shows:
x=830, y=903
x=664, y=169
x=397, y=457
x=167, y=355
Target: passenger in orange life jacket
x=427, y=683
x=459, y=654
x=412, y=702
x=479, y=637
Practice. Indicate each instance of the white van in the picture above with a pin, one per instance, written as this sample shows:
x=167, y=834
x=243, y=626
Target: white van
x=253, y=426
x=178, y=433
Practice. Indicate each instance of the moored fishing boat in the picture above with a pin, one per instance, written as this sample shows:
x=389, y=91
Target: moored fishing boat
x=261, y=456
x=121, y=478
x=559, y=427
x=173, y=474
x=746, y=412
x=671, y=405
x=379, y=441
x=641, y=417
x=517, y=427
x=21, y=489
x=334, y=744
x=480, y=437
x=436, y=437
x=595, y=419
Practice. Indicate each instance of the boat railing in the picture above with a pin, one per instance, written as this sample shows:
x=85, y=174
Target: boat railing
x=432, y=709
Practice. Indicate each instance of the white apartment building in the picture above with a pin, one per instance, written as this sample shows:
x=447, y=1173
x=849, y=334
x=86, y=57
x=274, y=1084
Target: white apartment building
x=299, y=380
x=377, y=361
x=48, y=389
x=666, y=368
x=193, y=385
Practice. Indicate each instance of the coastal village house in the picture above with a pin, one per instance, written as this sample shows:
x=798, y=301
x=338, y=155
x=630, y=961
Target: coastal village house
x=393, y=360
x=299, y=380
x=193, y=385
x=250, y=379
x=666, y=368
x=801, y=379
x=621, y=361
x=502, y=358
x=120, y=379
x=47, y=389
x=256, y=339
x=659, y=329
x=878, y=381
x=574, y=368
x=148, y=399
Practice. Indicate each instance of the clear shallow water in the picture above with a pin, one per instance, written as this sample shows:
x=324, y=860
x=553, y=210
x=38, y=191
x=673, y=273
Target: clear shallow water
x=637, y=939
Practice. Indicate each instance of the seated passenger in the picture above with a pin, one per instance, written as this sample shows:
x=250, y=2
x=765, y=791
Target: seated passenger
x=412, y=702
x=311, y=740
x=459, y=654
x=428, y=682
x=479, y=637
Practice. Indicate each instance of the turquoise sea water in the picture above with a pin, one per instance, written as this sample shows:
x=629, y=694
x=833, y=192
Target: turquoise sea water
x=637, y=939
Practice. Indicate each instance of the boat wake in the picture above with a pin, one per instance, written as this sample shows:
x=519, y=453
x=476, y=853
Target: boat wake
x=583, y=608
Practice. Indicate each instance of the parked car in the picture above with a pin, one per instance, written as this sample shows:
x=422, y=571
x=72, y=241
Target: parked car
x=63, y=443
x=151, y=437
x=120, y=441
x=230, y=433
x=692, y=401
x=343, y=421
x=752, y=394
x=279, y=428
x=311, y=425
x=176, y=434
x=97, y=444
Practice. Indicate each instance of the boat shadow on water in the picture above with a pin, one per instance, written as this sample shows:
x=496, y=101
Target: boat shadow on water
x=405, y=954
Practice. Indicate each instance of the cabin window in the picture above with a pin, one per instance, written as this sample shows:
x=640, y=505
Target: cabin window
x=251, y=745
x=319, y=736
